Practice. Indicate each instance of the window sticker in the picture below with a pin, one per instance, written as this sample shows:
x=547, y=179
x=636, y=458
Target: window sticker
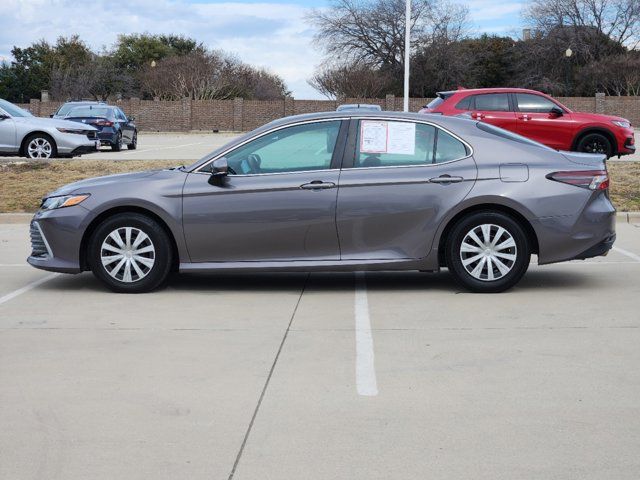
x=401, y=138
x=387, y=137
x=373, y=136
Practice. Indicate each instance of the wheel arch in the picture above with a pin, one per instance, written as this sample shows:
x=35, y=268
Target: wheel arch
x=484, y=207
x=84, y=243
x=23, y=143
x=602, y=130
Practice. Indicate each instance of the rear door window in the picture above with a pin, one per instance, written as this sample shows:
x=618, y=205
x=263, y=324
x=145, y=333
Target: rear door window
x=492, y=102
x=382, y=143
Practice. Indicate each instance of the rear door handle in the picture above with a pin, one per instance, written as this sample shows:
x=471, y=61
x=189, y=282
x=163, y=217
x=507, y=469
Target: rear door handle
x=317, y=185
x=477, y=115
x=446, y=179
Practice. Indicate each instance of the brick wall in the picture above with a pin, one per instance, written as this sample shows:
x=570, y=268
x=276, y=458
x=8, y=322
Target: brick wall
x=238, y=114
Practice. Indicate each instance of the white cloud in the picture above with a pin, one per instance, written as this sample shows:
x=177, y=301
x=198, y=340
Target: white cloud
x=271, y=35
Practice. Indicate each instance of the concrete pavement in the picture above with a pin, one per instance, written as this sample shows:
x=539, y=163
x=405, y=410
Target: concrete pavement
x=254, y=376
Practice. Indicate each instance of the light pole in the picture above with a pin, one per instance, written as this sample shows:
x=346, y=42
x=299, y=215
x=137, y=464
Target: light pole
x=568, y=52
x=407, y=45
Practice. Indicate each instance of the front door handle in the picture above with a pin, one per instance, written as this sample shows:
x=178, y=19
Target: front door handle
x=446, y=179
x=524, y=117
x=317, y=185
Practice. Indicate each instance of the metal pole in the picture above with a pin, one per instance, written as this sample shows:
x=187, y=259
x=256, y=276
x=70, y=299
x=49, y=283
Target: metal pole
x=407, y=44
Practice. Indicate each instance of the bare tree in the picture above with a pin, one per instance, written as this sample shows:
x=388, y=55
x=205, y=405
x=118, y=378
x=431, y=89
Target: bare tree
x=616, y=75
x=353, y=80
x=617, y=19
x=372, y=33
x=205, y=75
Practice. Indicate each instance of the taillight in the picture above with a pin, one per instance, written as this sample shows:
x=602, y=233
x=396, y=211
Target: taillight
x=591, y=179
x=104, y=123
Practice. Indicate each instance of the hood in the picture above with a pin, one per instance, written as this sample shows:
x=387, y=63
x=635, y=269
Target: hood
x=90, y=183
x=597, y=117
x=51, y=123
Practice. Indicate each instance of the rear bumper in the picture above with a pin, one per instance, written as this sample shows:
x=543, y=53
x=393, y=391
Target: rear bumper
x=598, y=250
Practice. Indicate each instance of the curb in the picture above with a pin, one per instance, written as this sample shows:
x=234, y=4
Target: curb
x=622, y=217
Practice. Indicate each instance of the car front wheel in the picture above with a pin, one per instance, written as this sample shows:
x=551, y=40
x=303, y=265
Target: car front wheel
x=487, y=252
x=134, y=142
x=40, y=147
x=130, y=253
x=595, y=143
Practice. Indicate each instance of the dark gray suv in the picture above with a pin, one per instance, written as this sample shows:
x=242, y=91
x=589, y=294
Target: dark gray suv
x=337, y=191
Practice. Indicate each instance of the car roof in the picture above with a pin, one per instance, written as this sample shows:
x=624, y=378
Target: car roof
x=489, y=90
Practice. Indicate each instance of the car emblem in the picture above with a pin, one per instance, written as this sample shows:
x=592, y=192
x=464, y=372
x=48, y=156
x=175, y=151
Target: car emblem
x=84, y=121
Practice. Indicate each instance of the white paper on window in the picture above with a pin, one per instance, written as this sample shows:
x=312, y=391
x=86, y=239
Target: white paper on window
x=387, y=137
x=373, y=136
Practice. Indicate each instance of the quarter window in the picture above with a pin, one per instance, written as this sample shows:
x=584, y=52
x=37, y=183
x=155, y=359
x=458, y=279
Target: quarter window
x=448, y=148
x=528, y=102
x=299, y=148
x=492, y=102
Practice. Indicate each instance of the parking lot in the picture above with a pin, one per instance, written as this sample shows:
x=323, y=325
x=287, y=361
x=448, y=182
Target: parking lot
x=289, y=376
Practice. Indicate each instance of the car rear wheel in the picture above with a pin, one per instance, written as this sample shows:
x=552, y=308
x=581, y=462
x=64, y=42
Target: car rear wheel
x=595, y=143
x=40, y=147
x=117, y=146
x=130, y=253
x=487, y=252
x=134, y=142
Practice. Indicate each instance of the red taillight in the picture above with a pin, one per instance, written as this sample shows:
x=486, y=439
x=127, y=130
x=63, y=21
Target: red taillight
x=591, y=179
x=104, y=123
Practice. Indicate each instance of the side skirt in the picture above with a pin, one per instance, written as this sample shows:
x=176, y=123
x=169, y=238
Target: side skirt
x=311, y=266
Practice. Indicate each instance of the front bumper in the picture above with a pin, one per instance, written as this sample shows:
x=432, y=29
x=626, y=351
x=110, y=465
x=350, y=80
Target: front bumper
x=56, y=238
x=70, y=143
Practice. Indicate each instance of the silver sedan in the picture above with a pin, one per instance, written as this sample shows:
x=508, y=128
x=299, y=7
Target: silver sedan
x=36, y=138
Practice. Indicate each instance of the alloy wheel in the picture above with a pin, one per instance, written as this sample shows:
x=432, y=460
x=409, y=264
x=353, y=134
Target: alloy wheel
x=488, y=252
x=127, y=254
x=39, y=147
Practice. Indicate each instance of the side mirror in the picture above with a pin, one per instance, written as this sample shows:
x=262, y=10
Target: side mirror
x=131, y=118
x=3, y=116
x=51, y=115
x=219, y=170
x=557, y=112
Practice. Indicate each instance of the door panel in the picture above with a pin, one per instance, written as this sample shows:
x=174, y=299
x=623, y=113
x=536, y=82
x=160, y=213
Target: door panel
x=390, y=204
x=261, y=217
x=8, y=135
x=393, y=213
x=494, y=108
x=278, y=203
x=535, y=121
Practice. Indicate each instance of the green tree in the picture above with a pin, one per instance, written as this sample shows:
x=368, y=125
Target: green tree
x=135, y=51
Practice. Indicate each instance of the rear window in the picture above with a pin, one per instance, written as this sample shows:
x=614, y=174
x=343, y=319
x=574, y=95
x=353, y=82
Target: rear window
x=90, y=112
x=514, y=137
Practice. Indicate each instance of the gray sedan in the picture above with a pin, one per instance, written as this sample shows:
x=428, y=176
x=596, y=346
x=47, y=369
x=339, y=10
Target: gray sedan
x=337, y=191
x=42, y=138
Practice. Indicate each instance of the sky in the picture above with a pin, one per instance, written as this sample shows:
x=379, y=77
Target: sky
x=269, y=33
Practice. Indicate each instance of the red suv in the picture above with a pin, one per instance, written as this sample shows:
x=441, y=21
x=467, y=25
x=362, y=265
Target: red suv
x=539, y=117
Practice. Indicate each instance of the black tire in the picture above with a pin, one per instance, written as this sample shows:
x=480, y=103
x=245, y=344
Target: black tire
x=154, y=276
x=134, y=141
x=117, y=146
x=40, y=137
x=516, y=267
x=595, y=143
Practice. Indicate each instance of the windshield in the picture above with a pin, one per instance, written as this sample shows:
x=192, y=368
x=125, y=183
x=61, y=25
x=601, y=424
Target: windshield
x=500, y=132
x=90, y=111
x=14, y=110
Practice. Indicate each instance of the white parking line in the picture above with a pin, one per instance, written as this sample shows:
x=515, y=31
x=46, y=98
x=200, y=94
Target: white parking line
x=628, y=254
x=366, y=383
x=26, y=288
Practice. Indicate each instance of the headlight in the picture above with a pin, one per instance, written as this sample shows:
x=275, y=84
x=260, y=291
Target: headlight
x=78, y=131
x=51, y=203
x=621, y=123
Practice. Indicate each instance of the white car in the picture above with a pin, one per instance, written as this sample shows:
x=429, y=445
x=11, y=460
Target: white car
x=42, y=138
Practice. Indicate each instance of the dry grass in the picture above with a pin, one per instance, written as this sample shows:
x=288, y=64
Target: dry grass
x=23, y=185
